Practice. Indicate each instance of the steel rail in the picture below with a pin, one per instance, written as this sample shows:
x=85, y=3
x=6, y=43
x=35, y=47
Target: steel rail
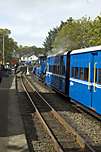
x=57, y=146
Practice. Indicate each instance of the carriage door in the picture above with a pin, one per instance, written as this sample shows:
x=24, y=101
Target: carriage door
x=96, y=94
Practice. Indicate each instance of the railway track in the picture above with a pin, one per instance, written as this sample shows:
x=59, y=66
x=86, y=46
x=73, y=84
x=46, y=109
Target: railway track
x=86, y=125
x=64, y=137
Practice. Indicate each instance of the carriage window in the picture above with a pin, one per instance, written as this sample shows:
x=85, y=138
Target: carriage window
x=56, y=66
x=58, y=69
x=76, y=72
x=49, y=68
x=54, y=69
x=73, y=72
x=99, y=76
x=63, y=69
x=86, y=74
x=81, y=74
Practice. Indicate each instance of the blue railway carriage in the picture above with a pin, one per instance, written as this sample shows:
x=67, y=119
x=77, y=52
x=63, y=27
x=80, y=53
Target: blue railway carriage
x=77, y=74
x=40, y=68
x=56, y=72
x=85, y=77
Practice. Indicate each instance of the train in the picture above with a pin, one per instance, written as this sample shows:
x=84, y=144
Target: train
x=40, y=67
x=76, y=74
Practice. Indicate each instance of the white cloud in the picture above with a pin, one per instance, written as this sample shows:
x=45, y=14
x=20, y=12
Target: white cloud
x=30, y=20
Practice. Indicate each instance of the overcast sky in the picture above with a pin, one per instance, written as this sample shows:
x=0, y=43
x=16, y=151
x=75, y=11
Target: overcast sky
x=30, y=20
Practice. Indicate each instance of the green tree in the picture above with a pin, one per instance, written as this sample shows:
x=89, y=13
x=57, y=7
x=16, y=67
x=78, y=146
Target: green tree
x=95, y=32
x=26, y=50
x=74, y=34
x=9, y=44
x=49, y=40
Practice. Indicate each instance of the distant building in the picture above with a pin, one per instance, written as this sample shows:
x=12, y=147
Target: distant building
x=28, y=58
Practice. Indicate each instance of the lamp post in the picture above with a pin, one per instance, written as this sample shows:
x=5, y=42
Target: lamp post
x=4, y=33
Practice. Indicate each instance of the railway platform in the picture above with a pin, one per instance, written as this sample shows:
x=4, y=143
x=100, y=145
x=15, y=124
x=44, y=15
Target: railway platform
x=12, y=135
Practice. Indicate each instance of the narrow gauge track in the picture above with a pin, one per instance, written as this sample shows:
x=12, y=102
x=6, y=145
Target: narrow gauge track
x=63, y=135
x=86, y=125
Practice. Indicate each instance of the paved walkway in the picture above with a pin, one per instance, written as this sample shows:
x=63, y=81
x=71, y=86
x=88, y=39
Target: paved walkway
x=12, y=138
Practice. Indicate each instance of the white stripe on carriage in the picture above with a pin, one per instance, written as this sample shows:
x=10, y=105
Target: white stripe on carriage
x=61, y=76
x=97, y=85
x=86, y=83
x=75, y=80
x=80, y=81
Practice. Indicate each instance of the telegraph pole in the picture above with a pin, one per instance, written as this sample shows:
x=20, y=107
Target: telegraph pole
x=3, y=49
